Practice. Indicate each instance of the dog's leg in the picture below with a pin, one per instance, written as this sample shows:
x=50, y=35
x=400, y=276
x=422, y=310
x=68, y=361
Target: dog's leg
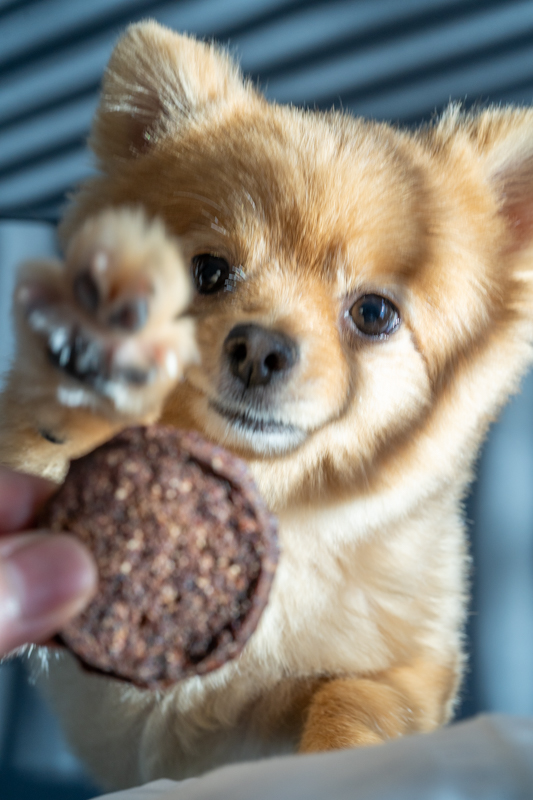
x=101, y=340
x=346, y=712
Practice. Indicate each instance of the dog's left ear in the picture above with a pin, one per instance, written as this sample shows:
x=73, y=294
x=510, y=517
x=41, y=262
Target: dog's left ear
x=156, y=81
x=501, y=141
x=505, y=139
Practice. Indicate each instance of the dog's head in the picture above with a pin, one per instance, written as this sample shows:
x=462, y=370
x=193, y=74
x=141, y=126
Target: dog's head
x=347, y=274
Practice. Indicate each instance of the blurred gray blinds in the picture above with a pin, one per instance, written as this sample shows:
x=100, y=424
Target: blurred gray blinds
x=388, y=59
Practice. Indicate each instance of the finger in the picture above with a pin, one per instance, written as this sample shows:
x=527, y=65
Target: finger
x=20, y=497
x=44, y=581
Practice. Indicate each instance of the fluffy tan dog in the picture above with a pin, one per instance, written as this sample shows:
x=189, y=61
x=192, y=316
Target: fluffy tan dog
x=363, y=305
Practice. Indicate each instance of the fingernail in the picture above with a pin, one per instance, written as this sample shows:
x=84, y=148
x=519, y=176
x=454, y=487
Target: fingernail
x=44, y=576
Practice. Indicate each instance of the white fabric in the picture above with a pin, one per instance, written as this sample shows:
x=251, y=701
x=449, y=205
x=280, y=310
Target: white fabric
x=489, y=758
x=151, y=791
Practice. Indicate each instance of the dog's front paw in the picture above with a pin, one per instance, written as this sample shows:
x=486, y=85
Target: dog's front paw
x=112, y=323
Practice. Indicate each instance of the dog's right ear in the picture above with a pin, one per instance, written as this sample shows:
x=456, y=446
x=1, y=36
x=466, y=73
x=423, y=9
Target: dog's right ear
x=157, y=81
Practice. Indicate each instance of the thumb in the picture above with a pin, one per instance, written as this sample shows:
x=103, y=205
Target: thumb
x=44, y=581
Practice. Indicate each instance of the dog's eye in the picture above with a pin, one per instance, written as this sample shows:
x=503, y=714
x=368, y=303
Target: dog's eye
x=210, y=273
x=375, y=316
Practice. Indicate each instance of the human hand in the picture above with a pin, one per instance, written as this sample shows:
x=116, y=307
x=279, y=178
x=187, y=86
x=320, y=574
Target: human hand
x=45, y=579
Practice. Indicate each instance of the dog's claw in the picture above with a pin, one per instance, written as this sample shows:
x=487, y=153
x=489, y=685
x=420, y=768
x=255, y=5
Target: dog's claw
x=86, y=291
x=76, y=355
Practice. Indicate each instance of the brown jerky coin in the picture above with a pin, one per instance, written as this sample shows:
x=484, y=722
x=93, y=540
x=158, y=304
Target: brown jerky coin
x=186, y=551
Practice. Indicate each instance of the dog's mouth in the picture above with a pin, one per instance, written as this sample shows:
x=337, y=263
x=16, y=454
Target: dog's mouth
x=251, y=422
x=260, y=431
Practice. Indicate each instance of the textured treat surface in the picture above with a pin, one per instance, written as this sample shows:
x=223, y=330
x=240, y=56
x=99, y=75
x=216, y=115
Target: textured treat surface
x=186, y=552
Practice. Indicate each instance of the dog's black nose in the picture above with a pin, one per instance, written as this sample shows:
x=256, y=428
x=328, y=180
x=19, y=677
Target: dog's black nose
x=258, y=355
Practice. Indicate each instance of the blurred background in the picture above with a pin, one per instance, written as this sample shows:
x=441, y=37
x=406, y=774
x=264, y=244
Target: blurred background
x=400, y=60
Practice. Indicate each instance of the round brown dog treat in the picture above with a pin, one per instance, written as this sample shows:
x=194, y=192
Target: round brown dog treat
x=186, y=551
